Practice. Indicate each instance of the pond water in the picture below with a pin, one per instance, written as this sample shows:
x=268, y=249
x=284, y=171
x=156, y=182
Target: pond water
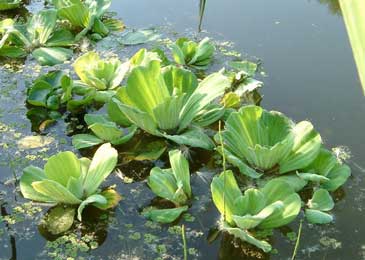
x=309, y=74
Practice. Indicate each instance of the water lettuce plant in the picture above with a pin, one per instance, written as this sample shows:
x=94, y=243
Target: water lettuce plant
x=168, y=102
x=192, y=54
x=274, y=205
x=98, y=73
x=9, y=4
x=104, y=131
x=69, y=180
x=171, y=184
x=87, y=17
x=258, y=141
x=244, y=88
x=40, y=36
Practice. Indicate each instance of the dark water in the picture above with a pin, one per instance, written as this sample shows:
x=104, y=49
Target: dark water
x=310, y=75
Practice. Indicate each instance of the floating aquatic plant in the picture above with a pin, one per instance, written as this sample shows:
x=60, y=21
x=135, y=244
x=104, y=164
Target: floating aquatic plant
x=171, y=103
x=88, y=16
x=47, y=95
x=244, y=88
x=39, y=36
x=66, y=179
x=257, y=141
x=104, y=131
x=173, y=185
x=98, y=73
x=9, y=4
x=192, y=54
x=274, y=205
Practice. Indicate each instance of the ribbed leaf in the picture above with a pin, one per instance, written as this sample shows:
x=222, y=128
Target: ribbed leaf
x=194, y=137
x=306, y=147
x=56, y=191
x=338, y=176
x=62, y=166
x=162, y=183
x=103, y=163
x=41, y=26
x=180, y=168
x=208, y=90
x=33, y=174
x=52, y=55
x=225, y=191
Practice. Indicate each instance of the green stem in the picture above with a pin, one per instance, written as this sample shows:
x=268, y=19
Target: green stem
x=184, y=242
x=298, y=240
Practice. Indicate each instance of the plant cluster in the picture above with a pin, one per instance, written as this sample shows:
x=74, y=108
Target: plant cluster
x=171, y=101
x=47, y=37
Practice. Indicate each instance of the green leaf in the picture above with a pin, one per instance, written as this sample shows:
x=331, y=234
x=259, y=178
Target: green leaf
x=291, y=209
x=61, y=38
x=106, y=131
x=318, y=217
x=38, y=93
x=98, y=73
x=139, y=37
x=33, y=174
x=59, y=219
x=164, y=215
x=225, y=191
x=194, y=137
x=162, y=183
x=338, y=176
x=52, y=55
x=294, y=181
x=75, y=187
x=312, y=177
x=116, y=114
x=247, y=237
x=12, y=52
x=76, y=13
x=9, y=4
x=96, y=198
x=122, y=140
x=56, y=191
x=103, y=163
x=81, y=141
x=321, y=200
x=307, y=145
x=208, y=90
x=62, y=166
x=41, y=26
x=180, y=168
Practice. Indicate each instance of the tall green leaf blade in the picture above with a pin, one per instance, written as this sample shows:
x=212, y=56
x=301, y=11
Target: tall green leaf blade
x=162, y=183
x=353, y=15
